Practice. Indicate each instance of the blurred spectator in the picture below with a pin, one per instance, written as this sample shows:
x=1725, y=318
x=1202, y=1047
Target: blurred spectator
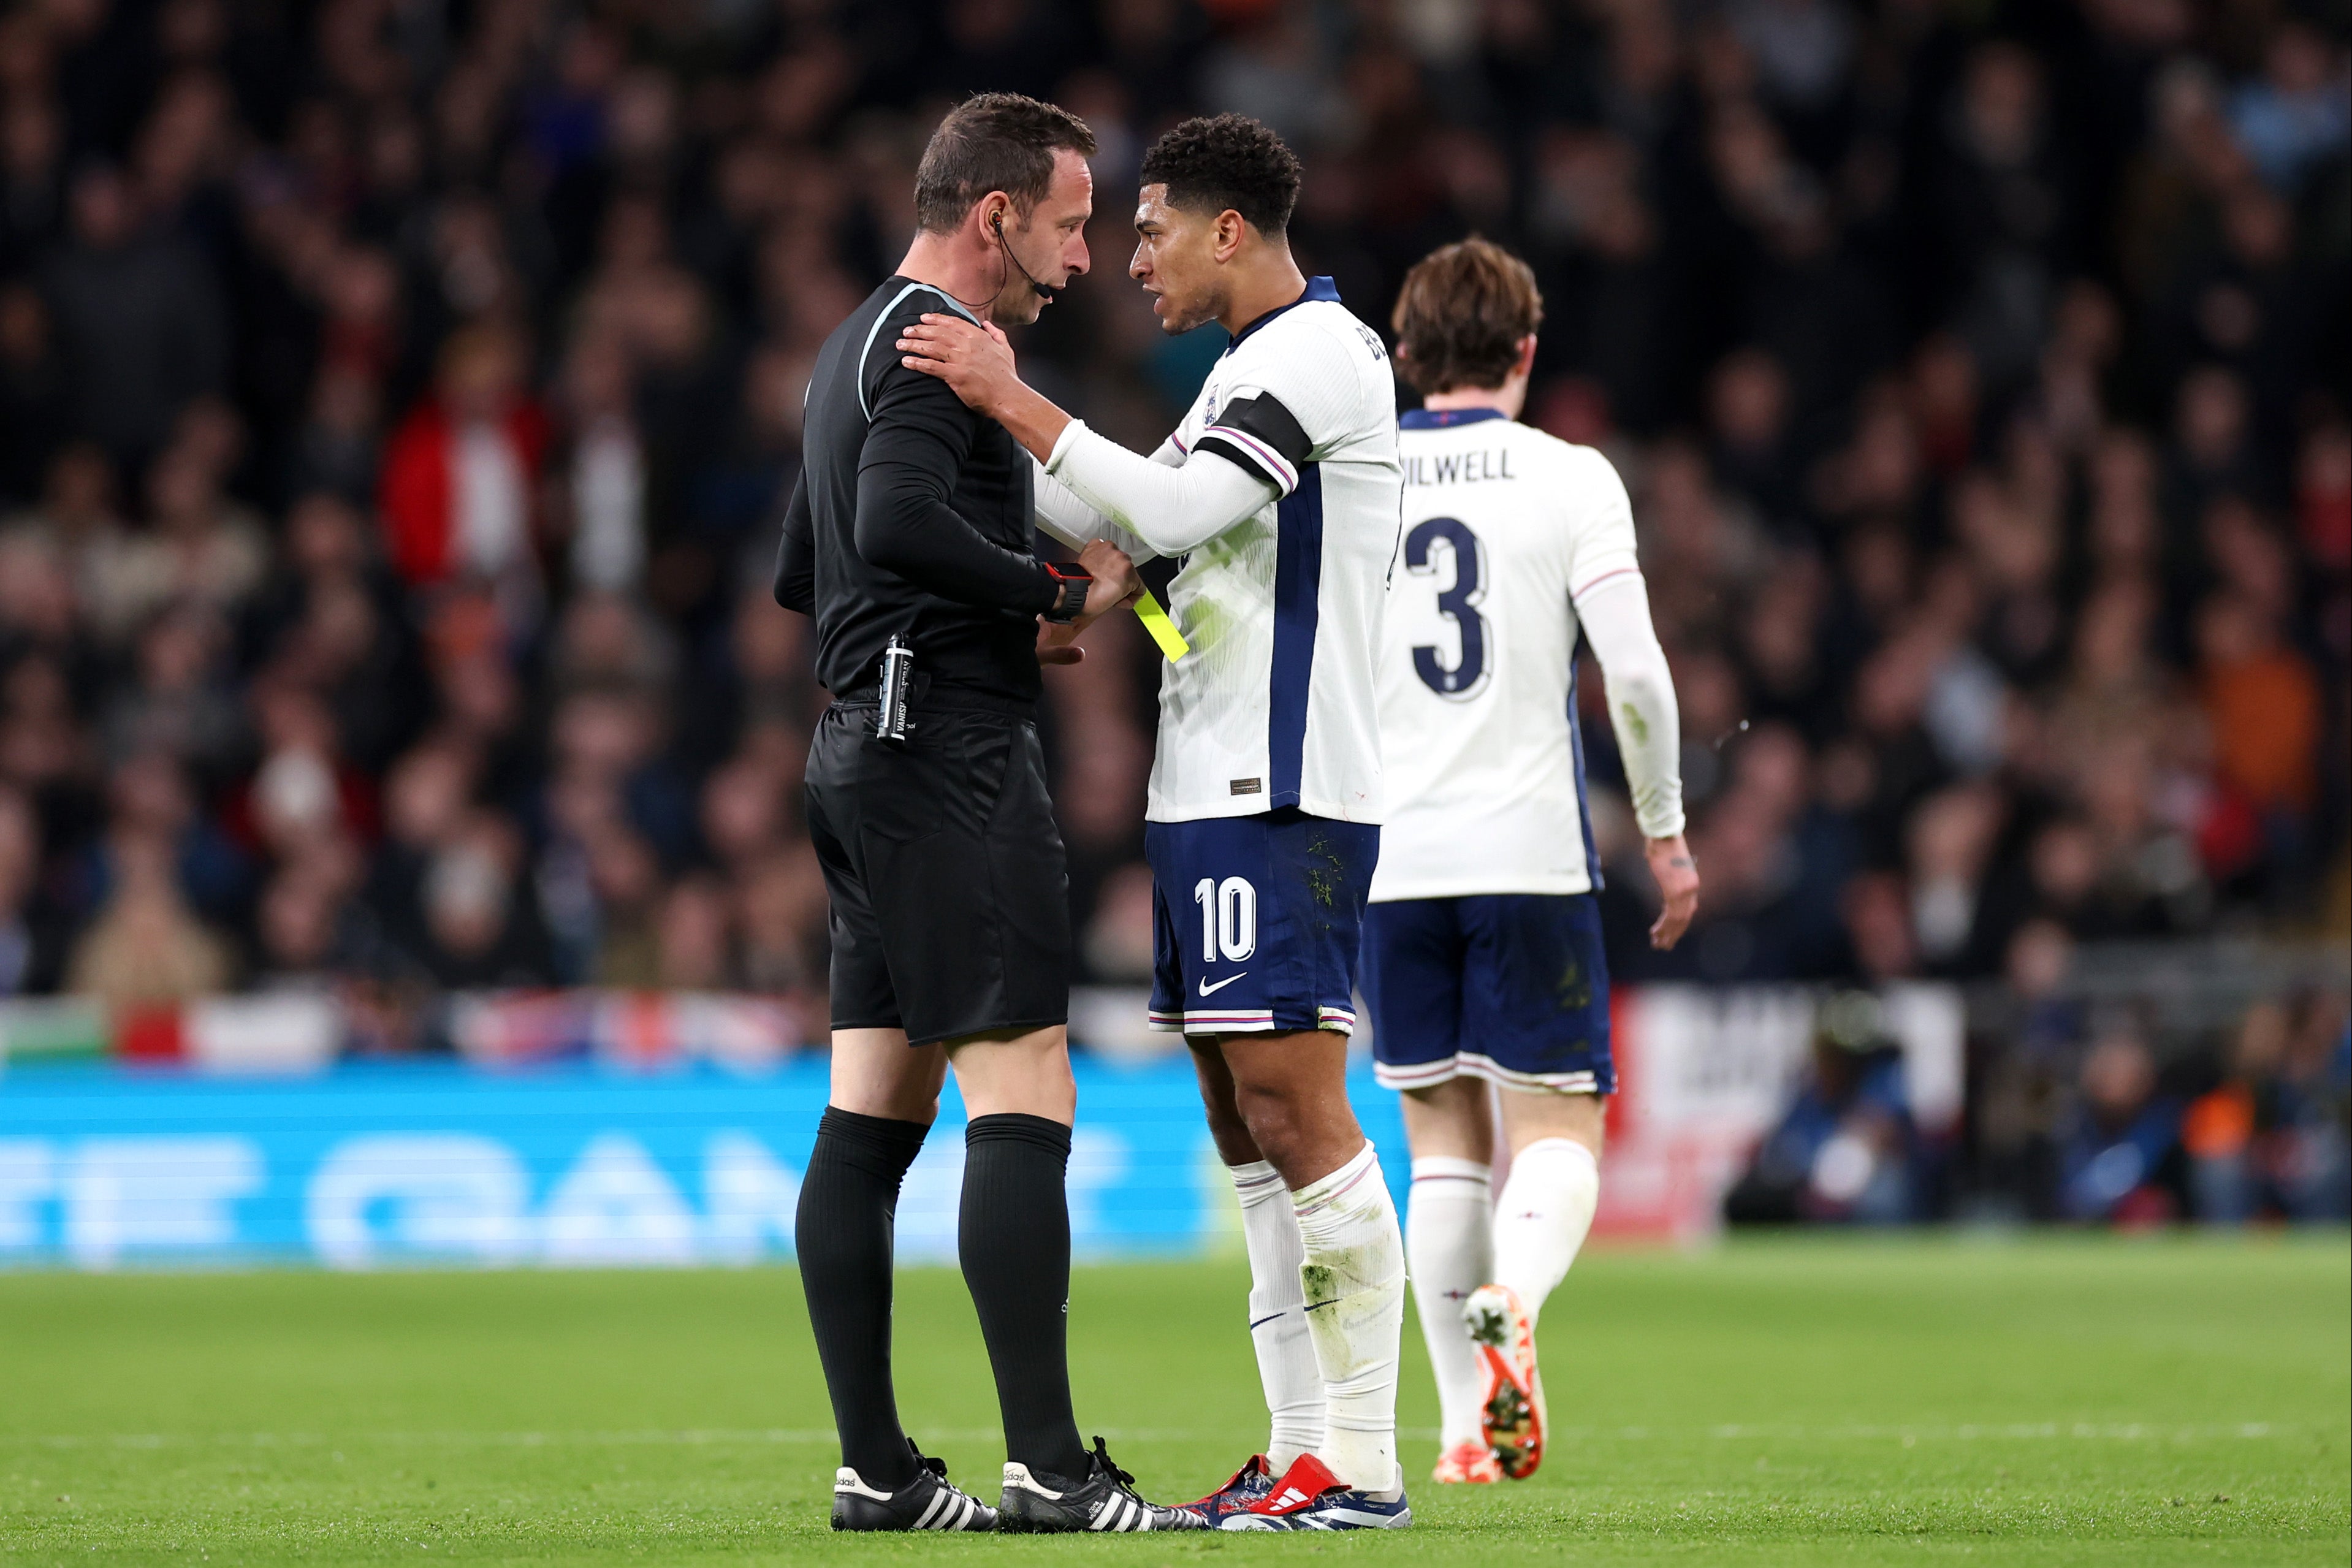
x=478, y=929
x=146, y=946
x=2297, y=112
x=196, y=546
x=2269, y=1139
x=300, y=934
x=460, y=472
x=1846, y=1149
x=32, y=393
x=2119, y=1146
x=2262, y=700
x=29, y=959
x=607, y=474
x=181, y=702
x=141, y=328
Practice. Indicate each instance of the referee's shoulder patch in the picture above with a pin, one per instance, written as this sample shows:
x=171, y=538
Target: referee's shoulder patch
x=1247, y=786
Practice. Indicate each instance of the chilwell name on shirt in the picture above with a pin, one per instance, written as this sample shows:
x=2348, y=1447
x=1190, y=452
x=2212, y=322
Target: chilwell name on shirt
x=1458, y=467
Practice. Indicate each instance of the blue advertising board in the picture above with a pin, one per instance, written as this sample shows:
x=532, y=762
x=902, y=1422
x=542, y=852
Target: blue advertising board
x=438, y=1164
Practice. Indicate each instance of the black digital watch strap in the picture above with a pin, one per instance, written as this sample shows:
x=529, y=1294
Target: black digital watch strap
x=1074, y=581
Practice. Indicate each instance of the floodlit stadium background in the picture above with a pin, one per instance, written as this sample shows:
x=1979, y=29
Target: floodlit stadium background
x=1978, y=371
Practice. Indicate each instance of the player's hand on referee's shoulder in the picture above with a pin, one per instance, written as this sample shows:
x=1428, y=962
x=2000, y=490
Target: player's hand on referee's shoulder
x=975, y=361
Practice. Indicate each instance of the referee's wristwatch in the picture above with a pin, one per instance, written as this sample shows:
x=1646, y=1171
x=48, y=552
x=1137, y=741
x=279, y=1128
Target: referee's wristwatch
x=1071, y=602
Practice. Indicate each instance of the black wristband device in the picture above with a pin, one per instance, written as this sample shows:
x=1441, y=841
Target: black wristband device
x=1072, y=582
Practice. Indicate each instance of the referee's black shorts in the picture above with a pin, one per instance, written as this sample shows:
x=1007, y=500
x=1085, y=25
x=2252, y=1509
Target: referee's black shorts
x=950, y=894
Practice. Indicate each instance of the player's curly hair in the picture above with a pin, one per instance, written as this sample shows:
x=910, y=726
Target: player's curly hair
x=1226, y=160
x=1461, y=316
x=994, y=142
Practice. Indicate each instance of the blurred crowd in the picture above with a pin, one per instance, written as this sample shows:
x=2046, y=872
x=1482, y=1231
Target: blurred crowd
x=397, y=398
x=2086, y=1115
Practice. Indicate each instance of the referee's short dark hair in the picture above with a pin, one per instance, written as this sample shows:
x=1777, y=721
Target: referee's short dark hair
x=994, y=142
x=1223, y=160
x=1462, y=314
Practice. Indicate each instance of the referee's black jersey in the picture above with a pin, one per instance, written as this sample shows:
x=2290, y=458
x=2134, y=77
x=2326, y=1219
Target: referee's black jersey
x=911, y=516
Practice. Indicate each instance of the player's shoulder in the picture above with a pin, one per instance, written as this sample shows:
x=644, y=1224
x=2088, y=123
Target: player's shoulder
x=1318, y=336
x=1331, y=338
x=1585, y=473
x=1567, y=456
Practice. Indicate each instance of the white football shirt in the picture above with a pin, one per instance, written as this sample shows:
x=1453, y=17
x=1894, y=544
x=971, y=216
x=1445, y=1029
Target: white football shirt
x=1276, y=706
x=1504, y=528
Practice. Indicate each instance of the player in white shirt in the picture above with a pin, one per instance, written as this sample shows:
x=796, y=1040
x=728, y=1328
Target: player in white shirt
x=1483, y=961
x=1280, y=488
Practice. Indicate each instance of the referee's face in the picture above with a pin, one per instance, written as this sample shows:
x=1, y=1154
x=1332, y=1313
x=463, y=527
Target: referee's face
x=1052, y=245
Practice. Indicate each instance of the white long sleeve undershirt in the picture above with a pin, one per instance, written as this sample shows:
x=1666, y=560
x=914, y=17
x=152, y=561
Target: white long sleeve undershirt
x=1615, y=614
x=1064, y=515
x=1167, y=508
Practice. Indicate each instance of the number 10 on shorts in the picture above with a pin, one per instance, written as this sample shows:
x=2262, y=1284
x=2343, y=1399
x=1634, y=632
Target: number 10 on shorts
x=1228, y=918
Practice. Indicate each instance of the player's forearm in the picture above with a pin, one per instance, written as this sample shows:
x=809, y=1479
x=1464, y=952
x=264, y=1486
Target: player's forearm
x=1032, y=418
x=1640, y=689
x=1170, y=510
x=1061, y=512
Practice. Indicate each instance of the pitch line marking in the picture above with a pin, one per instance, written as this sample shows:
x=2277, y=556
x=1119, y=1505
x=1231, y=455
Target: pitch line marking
x=2127, y=1431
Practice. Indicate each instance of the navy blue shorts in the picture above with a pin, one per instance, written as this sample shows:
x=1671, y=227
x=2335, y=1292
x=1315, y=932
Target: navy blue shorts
x=1511, y=987
x=1257, y=922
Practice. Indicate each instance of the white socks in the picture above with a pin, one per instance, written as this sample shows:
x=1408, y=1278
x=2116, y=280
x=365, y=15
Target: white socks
x=1542, y=1216
x=1326, y=1311
x=1277, y=1315
x=1354, y=1281
x=1449, y=1241
x=1459, y=1239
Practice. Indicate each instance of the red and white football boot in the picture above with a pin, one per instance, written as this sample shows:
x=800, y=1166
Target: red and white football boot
x=1511, y=1403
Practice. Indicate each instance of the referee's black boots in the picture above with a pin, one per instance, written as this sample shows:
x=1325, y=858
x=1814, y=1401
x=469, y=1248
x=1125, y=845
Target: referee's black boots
x=926, y=1502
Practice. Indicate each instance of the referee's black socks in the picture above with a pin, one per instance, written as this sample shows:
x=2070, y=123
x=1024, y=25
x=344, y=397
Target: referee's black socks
x=1014, y=1240
x=849, y=1202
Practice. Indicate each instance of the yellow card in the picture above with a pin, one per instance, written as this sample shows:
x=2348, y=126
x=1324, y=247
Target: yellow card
x=1163, y=630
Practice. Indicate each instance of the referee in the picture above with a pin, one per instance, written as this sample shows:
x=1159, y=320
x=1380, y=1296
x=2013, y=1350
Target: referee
x=907, y=539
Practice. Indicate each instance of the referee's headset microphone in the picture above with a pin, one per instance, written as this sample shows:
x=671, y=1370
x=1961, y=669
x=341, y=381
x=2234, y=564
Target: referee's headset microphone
x=1045, y=292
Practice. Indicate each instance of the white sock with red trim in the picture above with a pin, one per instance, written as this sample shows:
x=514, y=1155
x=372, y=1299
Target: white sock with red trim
x=1449, y=1243
x=1542, y=1216
x=1277, y=1315
x=1354, y=1279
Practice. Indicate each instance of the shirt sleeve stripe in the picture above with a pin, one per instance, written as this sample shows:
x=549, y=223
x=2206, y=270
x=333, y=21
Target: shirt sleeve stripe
x=1278, y=473
x=1605, y=576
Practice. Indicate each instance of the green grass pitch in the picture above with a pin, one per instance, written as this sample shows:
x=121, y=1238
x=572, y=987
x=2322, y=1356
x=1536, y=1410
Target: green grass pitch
x=2067, y=1400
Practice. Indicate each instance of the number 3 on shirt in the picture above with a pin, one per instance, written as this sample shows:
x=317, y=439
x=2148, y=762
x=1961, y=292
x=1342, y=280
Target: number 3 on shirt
x=1228, y=918
x=1457, y=602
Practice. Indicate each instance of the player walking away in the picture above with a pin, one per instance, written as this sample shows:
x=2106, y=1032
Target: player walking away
x=909, y=540
x=1483, y=964
x=1280, y=488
